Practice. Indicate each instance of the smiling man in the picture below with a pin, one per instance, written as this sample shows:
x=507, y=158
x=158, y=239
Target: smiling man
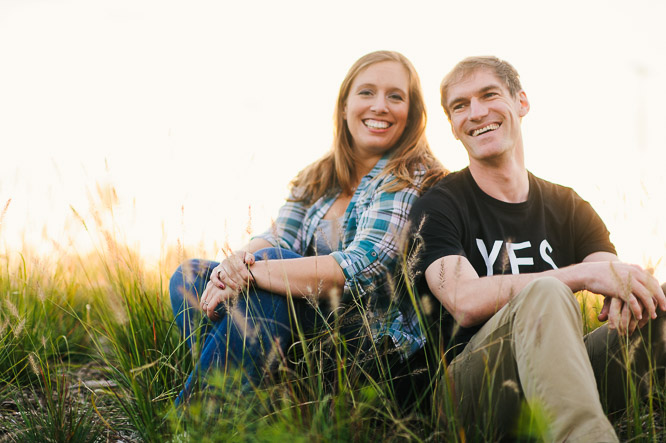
x=502, y=252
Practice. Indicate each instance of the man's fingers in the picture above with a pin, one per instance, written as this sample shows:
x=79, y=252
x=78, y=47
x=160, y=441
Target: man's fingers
x=632, y=326
x=648, y=291
x=614, y=313
x=632, y=303
x=603, y=314
x=646, y=297
x=625, y=319
x=660, y=295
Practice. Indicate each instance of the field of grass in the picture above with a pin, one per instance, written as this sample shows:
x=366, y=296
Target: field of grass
x=89, y=351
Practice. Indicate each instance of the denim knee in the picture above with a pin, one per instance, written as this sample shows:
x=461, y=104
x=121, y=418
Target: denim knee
x=274, y=254
x=189, y=278
x=178, y=278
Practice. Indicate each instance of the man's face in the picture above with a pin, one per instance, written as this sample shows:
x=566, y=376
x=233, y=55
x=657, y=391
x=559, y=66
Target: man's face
x=484, y=115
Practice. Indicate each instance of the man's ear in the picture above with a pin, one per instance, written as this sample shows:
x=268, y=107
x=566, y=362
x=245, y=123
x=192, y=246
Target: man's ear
x=524, y=104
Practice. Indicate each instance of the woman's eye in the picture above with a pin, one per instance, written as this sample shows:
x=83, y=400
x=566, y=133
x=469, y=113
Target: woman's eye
x=365, y=92
x=396, y=97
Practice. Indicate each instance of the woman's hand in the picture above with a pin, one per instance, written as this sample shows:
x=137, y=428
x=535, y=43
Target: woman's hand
x=233, y=271
x=212, y=297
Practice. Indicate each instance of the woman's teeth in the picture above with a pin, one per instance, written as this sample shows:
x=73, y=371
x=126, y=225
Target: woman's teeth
x=376, y=124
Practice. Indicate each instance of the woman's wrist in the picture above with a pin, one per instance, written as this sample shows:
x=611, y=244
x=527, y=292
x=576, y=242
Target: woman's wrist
x=249, y=269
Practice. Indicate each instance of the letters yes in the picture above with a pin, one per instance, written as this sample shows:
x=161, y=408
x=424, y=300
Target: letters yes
x=545, y=249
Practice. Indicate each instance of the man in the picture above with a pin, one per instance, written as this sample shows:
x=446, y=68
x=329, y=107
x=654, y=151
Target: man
x=503, y=251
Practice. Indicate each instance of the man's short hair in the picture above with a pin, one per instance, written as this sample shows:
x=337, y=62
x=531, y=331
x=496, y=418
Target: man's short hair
x=503, y=70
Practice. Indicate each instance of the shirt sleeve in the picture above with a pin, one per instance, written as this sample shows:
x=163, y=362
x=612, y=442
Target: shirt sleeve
x=375, y=247
x=435, y=230
x=590, y=232
x=284, y=230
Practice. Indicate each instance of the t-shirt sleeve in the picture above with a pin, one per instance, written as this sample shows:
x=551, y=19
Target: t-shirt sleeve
x=435, y=230
x=590, y=231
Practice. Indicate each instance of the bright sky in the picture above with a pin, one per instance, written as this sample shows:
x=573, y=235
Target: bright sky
x=194, y=111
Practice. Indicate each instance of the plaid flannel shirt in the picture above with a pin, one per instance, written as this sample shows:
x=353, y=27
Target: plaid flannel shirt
x=367, y=249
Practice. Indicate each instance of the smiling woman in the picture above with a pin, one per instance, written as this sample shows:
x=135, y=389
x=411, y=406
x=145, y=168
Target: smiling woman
x=377, y=107
x=337, y=234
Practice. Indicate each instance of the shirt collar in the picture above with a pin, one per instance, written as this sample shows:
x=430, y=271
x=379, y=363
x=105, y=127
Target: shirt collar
x=379, y=166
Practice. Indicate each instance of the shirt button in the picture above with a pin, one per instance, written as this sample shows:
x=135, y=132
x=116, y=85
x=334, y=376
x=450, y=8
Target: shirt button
x=373, y=253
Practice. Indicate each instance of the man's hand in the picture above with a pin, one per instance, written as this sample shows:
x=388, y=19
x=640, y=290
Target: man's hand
x=637, y=292
x=634, y=288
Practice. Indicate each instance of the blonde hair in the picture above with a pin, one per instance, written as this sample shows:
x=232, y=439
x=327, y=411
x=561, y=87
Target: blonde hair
x=336, y=169
x=503, y=70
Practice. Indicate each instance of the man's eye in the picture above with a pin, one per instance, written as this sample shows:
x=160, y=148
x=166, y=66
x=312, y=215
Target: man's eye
x=458, y=107
x=490, y=94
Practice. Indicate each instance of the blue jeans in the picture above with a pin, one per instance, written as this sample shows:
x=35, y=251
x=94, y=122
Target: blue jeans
x=258, y=326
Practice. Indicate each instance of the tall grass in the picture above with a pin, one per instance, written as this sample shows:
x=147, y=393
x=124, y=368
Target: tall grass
x=89, y=351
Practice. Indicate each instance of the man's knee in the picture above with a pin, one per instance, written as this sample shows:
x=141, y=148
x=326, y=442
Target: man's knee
x=547, y=294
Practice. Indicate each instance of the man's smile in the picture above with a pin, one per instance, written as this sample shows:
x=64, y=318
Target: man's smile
x=487, y=128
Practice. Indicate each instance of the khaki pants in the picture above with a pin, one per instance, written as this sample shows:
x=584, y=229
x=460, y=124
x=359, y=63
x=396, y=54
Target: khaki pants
x=534, y=349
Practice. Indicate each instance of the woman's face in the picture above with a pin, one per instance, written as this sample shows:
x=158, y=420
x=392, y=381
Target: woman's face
x=377, y=108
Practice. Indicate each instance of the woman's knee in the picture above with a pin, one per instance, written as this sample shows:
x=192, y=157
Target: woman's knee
x=186, y=277
x=274, y=254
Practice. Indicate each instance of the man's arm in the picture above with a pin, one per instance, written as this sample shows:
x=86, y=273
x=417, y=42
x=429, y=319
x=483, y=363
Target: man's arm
x=472, y=299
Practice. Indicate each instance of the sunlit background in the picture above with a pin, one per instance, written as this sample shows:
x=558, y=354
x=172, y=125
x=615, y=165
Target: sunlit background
x=197, y=114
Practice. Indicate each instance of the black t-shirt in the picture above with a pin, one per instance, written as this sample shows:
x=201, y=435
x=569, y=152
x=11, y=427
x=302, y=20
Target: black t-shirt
x=552, y=229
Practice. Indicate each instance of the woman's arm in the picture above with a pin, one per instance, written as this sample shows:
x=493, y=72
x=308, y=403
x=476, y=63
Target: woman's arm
x=232, y=271
x=301, y=277
x=376, y=246
x=282, y=233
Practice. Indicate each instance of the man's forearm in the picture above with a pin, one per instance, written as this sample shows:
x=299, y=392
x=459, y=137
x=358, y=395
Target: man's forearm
x=472, y=299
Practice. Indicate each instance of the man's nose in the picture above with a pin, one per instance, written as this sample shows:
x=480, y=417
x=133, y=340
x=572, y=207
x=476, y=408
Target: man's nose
x=477, y=109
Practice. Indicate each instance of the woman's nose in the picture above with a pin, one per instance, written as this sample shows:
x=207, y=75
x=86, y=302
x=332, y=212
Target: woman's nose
x=379, y=105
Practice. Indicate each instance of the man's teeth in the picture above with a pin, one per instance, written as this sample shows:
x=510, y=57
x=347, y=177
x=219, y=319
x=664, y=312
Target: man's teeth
x=376, y=124
x=485, y=129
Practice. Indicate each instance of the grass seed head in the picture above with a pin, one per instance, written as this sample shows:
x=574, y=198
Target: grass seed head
x=11, y=308
x=334, y=298
x=426, y=302
x=32, y=359
x=19, y=328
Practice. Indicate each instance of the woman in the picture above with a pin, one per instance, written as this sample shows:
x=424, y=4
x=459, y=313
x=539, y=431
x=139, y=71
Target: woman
x=336, y=235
